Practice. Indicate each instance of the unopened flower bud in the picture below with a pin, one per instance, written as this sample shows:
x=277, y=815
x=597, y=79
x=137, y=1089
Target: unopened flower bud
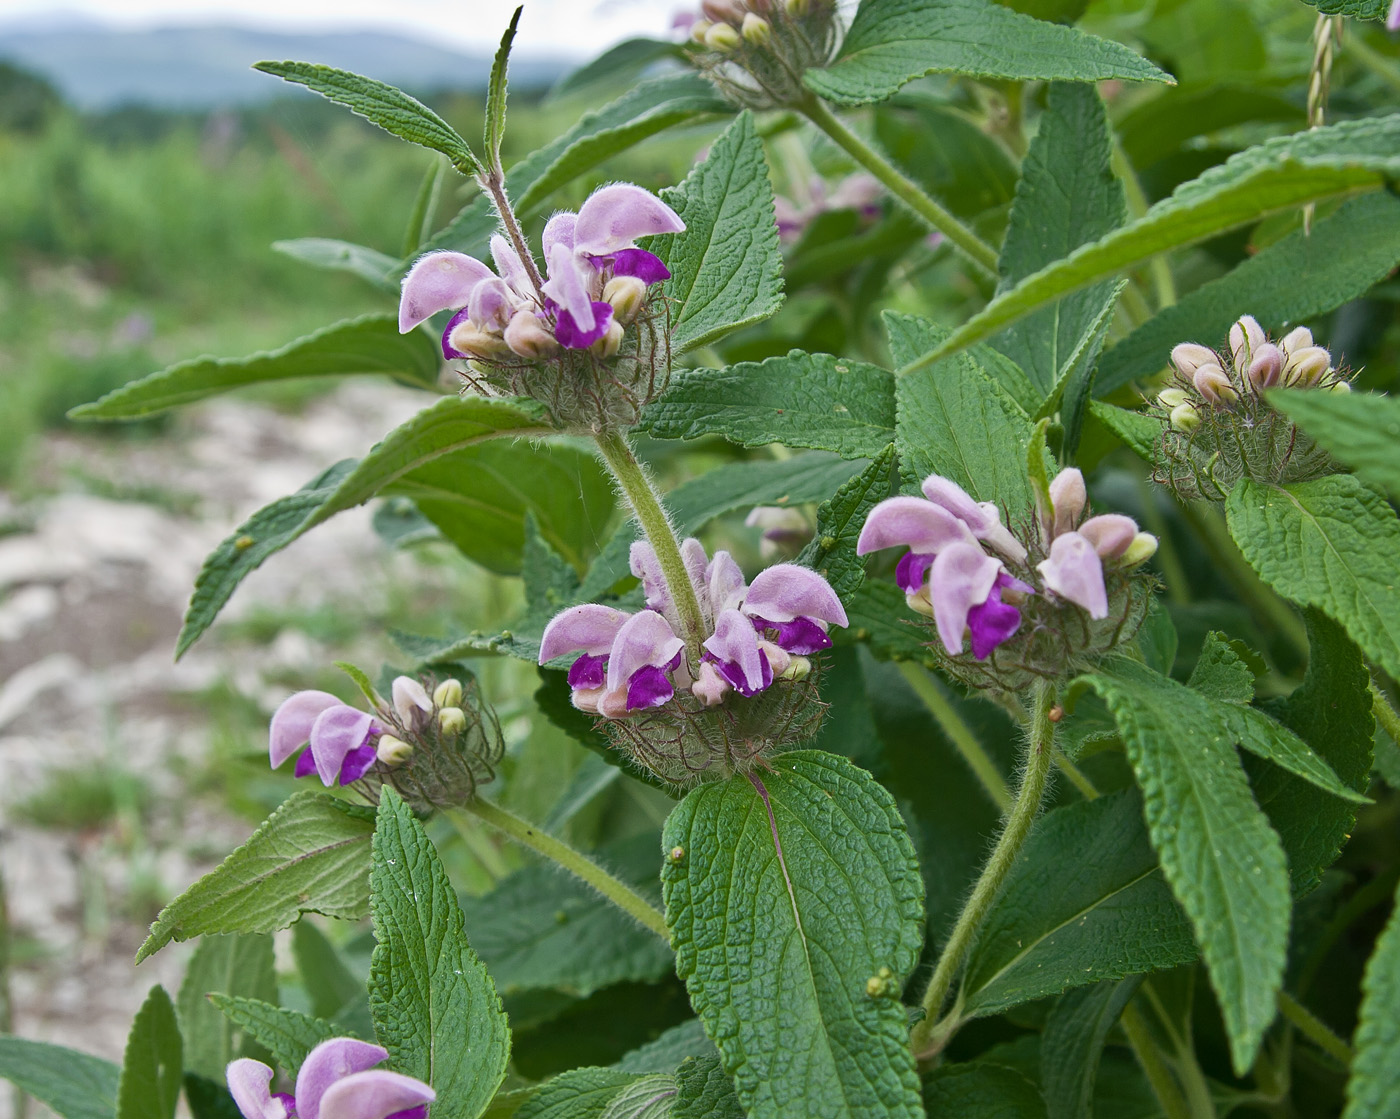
x=467, y=338
x=797, y=7
x=1339, y=386
x=1171, y=398
x=452, y=720
x=709, y=687
x=919, y=602
x=1297, y=339
x=626, y=294
x=1306, y=367
x=1184, y=417
x=722, y=37
x=411, y=701
x=1246, y=336
x=528, y=337
x=1142, y=549
x=1214, y=384
x=611, y=341
x=799, y=668
x=722, y=11
x=757, y=30
x=1265, y=367
x=1068, y=496
x=1190, y=356
x=699, y=29
x=448, y=693
x=392, y=751
x=586, y=699
x=778, y=658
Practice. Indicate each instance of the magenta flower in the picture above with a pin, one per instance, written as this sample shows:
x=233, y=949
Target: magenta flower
x=1074, y=572
x=338, y=1080
x=796, y=603
x=339, y=739
x=626, y=658
x=734, y=651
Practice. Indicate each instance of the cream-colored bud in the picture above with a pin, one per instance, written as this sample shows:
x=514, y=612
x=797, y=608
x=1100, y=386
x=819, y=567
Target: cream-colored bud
x=699, y=29
x=799, y=668
x=1300, y=338
x=528, y=337
x=797, y=7
x=469, y=339
x=452, y=720
x=919, y=602
x=1190, y=356
x=1142, y=549
x=611, y=341
x=1339, y=386
x=448, y=693
x=587, y=699
x=778, y=658
x=1214, y=384
x=1307, y=367
x=1265, y=367
x=1171, y=398
x=757, y=30
x=722, y=37
x=1246, y=336
x=1184, y=417
x=626, y=294
x=392, y=751
x=722, y=11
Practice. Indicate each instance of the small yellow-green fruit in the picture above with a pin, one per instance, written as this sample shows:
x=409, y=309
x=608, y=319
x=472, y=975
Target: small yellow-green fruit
x=1172, y=398
x=1340, y=386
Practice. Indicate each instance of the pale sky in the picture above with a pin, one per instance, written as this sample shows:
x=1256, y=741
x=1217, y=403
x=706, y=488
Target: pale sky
x=579, y=27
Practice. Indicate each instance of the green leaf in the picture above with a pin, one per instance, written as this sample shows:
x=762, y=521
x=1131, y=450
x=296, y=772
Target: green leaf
x=1360, y=429
x=1070, y=396
x=368, y=344
x=704, y=1091
x=892, y=42
x=1373, y=1090
x=794, y=892
x=149, y=1087
x=618, y=64
x=1224, y=862
x=1290, y=281
x=832, y=552
x=670, y=1049
x=1352, y=157
x=288, y=1035
x=538, y=930
x=1068, y=194
x=1332, y=543
x=1085, y=901
x=381, y=104
x=581, y=1093
x=1357, y=9
x=422, y=217
x=816, y=401
x=453, y=424
x=310, y=856
x=228, y=965
x=496, y=96
x=1138, y=431
x=1221, y=671
x=957, y=421
x=434, y=1006
x=1072, y=1044
x=727, y=267
x=911, y=335
x=880, y=620
x=981, y=1090
x=380, y=269
x=74, y=1085
x=1159, y=127
x=328, y=982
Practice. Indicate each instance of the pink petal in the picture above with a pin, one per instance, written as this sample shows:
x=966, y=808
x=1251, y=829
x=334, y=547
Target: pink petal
x=724, y=580
x=644, y=639
x=921, y=525
x=373, y=1095
x=493, y=303
x=1068, y=496
x=1392, y=21
x=615, y=216
x=411, y=700
x=1075, y=573
x=566, y=287
x=250, y=1085
x=962, y=577
x=589, y=628
x=642, y=562
x=437, y=282
x=952, y=497
x=329, y=1062
x=559, y=230
x=787, y=591
x=292, y=723
x=510, y=266
x=734, y=645
x=336, y=732
x=1109, y=533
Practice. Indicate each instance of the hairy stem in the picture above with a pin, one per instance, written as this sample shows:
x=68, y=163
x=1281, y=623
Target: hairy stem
x=575, y=862
x=1386, y=715
x=924, y=1037
x=651, y=515
x=958, y=732
x=494, y=184
x=1313, y=1028
x=900, y=185
x=1149, y=1058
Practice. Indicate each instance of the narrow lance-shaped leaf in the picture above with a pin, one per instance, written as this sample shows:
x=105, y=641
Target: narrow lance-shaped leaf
x=1072, y=1044
x=230, y=965
x=152, y=1071
x=74, y=1085
x=1373, y=1091
x=892, y=42
x=379, y=269
x=617, y=65
x=496, y=97
x=1360, y=429
x=981, y=1090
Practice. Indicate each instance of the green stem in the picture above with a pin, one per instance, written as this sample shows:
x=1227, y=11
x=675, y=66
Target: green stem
x=1386, y=715
x=958, y=732
x=1018, y=826
x=1076, y=775
x=575, y=862
x=900, y=185
x=1384, y=68
x=651, y=515
x=1314, y=1029
x=1164, y=1085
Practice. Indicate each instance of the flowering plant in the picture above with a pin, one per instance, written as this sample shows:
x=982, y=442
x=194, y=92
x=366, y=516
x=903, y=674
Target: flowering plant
x=1100, y=778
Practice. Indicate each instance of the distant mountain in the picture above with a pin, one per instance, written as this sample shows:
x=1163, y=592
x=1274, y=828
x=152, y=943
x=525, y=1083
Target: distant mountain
x=98, y=67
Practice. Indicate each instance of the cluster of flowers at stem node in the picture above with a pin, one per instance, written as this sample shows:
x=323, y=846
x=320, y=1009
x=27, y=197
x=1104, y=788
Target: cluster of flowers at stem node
x=338, y=1080
x=1037, y=603
x=750, y=691
x=1217, y=424
x=434, y=746
x=756, y=50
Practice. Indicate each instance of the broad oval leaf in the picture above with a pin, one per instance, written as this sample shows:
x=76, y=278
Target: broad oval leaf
x=435, y=1008
x=1373, y=1091
x=310, y=856
x=704, y=1091
x=1357, y=9
x=981, y=1090
x=794, y=890
x=581, y=1093
x=74, y=1085
x=892, y=42
x=1360, y=429
x=152, y=1070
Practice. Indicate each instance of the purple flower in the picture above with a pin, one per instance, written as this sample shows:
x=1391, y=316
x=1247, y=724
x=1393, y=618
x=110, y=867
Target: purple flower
x=1074, y=572
x=734, y=650
x=338, y=1080
x=982, y=517
x=438, y=282
x=612, y=219
x=796, y=602
x=962, y=577
x=626, y=657
x=995, y=621
x=340, y=737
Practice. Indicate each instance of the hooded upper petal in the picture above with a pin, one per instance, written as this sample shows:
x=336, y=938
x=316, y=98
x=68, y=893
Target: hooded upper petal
x=492, y=304
x=559, y=230
x=1068, y=496
x=645, y=639
x=250, y=1085
x=589, y=628
x=1075, y=573
x=1109, y=533
x=921, y=525
x=337, y=731
x=412, y=703
x=962, y=577
x=734, y=645
x=787, y=591
x=292, y=723
x=566, y=287
x=329, y=1062
x=615, y=216
x=982, y=517
x=374, y=1094
x=437, y=282
x=510, y=266
x=724, y=582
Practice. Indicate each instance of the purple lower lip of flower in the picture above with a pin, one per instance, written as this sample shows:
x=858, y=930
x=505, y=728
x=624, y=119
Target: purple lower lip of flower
x=337, y=731
x=995, y=621
x=448, y=351
x=911, y=571
x=588, y=672
x=734, y=675
x=570, y=335
x=357, y=763
x=649, y=686
x=645, y=266
x=306, y=764
x=802, y=636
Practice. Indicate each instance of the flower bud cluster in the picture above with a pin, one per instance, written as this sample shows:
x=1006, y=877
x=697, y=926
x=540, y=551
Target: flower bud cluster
x=588, y=337
x=753, y=689
x=1217, y=425
x=756, y=50
x=434, y=746
x=1042, y=602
